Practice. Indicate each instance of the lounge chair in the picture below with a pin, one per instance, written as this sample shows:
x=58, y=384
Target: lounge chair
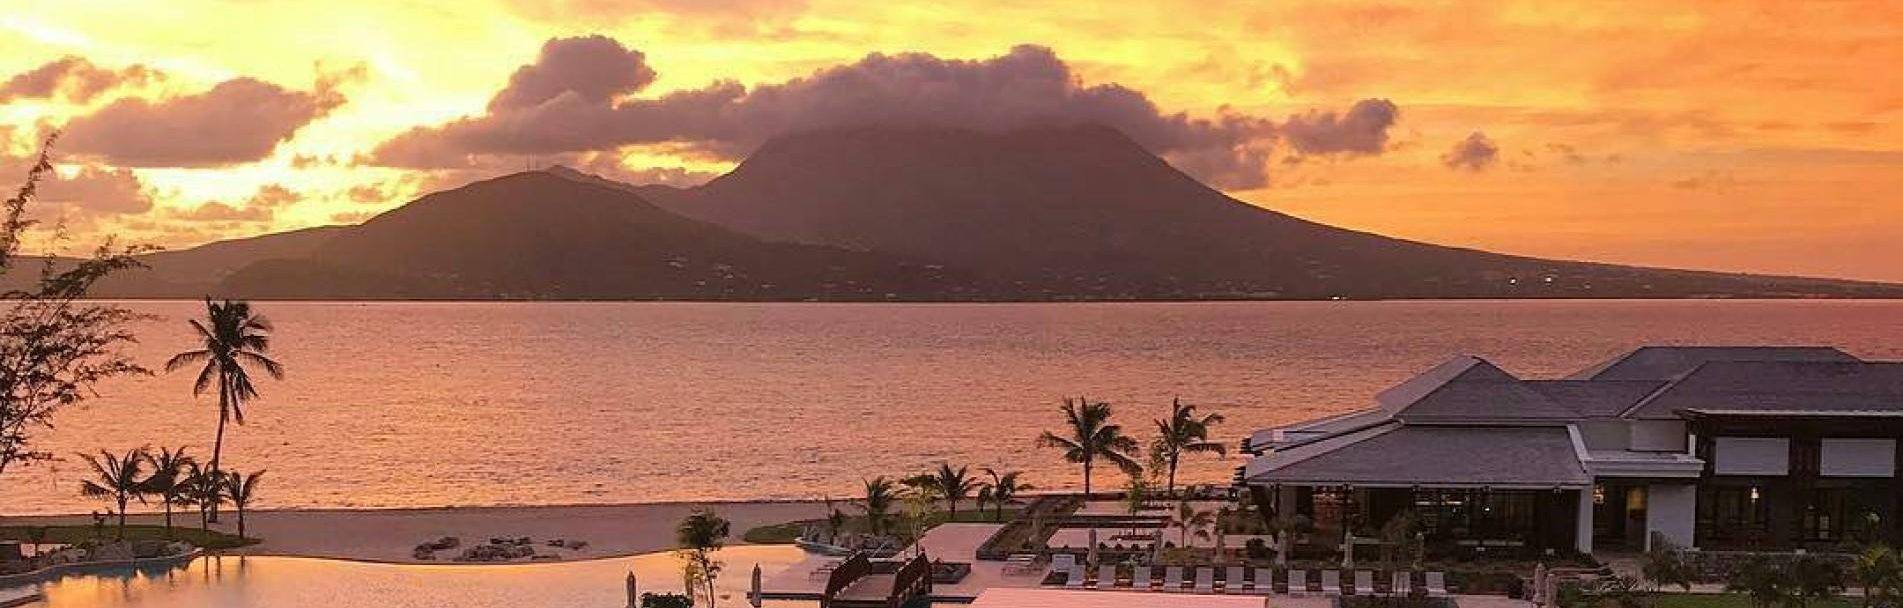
x=1436, y=584
x=1075, y=579
x=1403, y=583
x=1140, y=580
x=1232, y=580
x=1298, y=582
x=1264, y=583
x=1331, y=582
x=1063, y=561
x=1364, y=583
x=1205, y=579
x=1173, y=578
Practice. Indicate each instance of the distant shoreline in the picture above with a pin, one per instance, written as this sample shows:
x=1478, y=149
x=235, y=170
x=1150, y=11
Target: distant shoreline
x=391, y=535
x=1799, y=298
x=180, y=514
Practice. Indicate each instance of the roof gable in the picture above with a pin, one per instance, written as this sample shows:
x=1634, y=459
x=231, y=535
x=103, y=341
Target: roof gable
x=1464, y=367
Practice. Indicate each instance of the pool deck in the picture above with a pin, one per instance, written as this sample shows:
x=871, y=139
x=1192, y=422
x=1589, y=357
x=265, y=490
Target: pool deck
x=959, y=543
x=949, y=542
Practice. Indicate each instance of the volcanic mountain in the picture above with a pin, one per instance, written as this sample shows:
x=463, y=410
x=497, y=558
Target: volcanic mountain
x=538, y=235
x=893, y=213
x=1084, y=211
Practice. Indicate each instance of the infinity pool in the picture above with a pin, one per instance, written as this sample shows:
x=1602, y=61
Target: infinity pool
x=291, y=582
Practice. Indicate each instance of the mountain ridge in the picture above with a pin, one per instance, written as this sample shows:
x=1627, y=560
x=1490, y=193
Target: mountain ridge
x=876, y=213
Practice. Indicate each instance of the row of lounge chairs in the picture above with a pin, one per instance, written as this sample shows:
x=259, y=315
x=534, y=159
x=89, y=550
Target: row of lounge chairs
x=1203, y=580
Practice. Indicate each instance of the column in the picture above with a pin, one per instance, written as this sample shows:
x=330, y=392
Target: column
x=1671, y=510
x=1582, y=530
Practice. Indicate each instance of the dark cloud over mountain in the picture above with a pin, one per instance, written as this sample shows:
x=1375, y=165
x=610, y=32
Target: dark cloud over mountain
x=74, y=78
x=260, y=207
x=594, y=68
x=577, y=97
x=87, y=190
x=1475, y=153
x=238, y=121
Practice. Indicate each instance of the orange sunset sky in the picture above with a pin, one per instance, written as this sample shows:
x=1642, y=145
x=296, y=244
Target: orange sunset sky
x=1728, y=135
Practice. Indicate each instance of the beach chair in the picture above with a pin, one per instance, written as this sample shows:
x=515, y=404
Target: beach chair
x=1364, y=583
x=1061, y=562
x=1264, y=583
x=1173, y=578
x=1403, y=583
x=1075, y=580
x=1232, y=580
x=1436, y=584
x=1298, y=582
x=1140, y=578
x=1331, y=582
x=1205, y=579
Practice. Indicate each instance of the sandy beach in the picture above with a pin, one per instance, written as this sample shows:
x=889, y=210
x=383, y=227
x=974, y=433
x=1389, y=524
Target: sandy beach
x=391, y=535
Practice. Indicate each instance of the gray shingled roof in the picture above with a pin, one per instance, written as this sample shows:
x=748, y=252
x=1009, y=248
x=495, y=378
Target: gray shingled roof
x=1484, y=400
x=1438, y=456
x=1596, y=398
x=1780, y=386
x=1464, y=367
x=1668, y=362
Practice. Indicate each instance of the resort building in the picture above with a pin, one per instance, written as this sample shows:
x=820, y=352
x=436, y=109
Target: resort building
x=1760, y=448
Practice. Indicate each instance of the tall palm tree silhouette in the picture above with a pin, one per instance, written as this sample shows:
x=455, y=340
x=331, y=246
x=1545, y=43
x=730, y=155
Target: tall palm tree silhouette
x=234, y=337
x=1091, y=438
x=1183, y=433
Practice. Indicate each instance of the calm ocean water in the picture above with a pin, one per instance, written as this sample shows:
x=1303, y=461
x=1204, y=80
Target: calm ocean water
x=426, y=404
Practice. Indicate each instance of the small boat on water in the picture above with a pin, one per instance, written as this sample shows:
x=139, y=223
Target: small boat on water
x=813, y=546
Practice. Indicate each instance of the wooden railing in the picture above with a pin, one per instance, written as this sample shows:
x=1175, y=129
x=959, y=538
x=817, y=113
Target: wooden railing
x=914, y=579
x=848, y=571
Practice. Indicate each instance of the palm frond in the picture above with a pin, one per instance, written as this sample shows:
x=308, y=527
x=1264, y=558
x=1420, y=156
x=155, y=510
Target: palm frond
x=205, y=378
x=179, y=361
x=275, y=369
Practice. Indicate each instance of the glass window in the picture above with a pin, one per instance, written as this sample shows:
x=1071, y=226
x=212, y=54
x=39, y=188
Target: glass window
x=1733, y=513
x=1824, y=515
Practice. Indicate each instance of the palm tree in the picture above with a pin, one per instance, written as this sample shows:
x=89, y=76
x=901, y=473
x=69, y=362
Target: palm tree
x=1093, y=437
x=1192, y=522
x=952, y=485
x=700, y=535
x=166, y=482
x=880, y=496
x=116, y=478
x=1002, y=489
x=1880, y=572
x=241, y=489
x=233, y=338
x=1183, y=433
x=1223, y=514
x=201, y=488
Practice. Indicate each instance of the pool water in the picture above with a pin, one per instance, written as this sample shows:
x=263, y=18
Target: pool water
x=293, y=582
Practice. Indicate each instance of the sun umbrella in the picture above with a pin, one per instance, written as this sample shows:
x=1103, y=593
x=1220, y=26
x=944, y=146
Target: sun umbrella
x=753, y=595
